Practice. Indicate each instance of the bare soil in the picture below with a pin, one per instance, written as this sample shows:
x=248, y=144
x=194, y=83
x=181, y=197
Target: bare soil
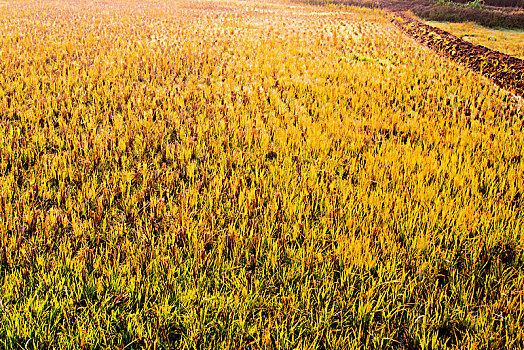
x=506, y=71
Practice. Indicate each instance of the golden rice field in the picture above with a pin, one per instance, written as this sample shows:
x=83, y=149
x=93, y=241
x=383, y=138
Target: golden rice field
x=251, y=175
x=510, y=42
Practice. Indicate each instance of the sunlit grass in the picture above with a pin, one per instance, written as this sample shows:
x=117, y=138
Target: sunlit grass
x=510, y=42
x=218, y=175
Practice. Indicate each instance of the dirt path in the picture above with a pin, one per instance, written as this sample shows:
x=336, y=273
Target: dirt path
x=506, y=71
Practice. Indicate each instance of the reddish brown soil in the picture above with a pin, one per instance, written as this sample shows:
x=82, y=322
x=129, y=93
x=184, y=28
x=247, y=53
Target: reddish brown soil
x=506, y=71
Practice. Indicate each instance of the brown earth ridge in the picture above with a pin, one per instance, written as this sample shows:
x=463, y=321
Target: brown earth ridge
x=506, y=71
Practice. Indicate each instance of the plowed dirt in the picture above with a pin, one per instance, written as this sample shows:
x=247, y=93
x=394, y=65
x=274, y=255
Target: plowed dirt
x=506, y=71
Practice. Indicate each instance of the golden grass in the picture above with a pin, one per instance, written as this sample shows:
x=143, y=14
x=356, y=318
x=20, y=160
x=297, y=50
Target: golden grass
x=239, y=174
x=510, y=42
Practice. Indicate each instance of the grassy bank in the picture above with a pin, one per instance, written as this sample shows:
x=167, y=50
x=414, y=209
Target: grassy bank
x=444, y=11
x=510, y=42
